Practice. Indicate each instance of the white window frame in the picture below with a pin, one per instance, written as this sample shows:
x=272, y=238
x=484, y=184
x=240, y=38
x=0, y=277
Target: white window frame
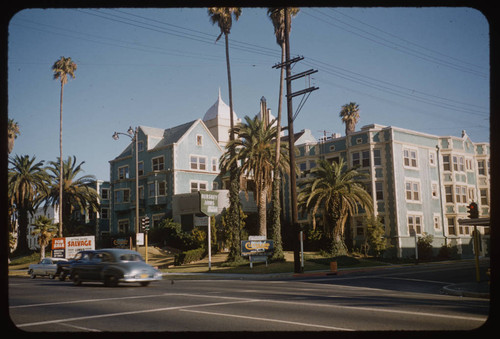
x=198, y=184
x=436, y=219
x=377, y=160
x=435, y=189
x=199, y=140
x=123, y=172
x=117, y=191
x=413, y=224
x=198, y=164
x=412, y=161
x=412, y=191
x=160, y=166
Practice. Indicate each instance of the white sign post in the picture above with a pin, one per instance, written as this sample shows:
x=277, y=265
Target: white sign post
x=209, y=206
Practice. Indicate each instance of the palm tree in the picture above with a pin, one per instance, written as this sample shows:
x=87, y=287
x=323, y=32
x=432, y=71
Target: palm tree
x=46, y=230
x=255, y=150
x=26, y=183
x=223, y=17
x=350, y=116
x=338, y=192
x=277, y=16
x=77, y=192
x=62, y=68
x=12, y=133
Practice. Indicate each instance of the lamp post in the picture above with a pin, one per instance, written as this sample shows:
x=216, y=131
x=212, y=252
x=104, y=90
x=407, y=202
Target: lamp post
x=132, y=134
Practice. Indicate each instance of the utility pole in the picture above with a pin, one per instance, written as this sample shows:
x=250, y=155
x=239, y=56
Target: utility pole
x=291, y=138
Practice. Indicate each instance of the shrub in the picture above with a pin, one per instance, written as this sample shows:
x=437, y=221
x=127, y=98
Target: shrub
x=189, y=256
x=424, y=245
x=375, y=236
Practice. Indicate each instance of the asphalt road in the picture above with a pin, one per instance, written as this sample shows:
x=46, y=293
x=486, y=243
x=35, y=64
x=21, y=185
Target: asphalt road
x=389, y=299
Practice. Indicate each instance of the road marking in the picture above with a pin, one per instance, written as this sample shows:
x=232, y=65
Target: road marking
x=135, y=312
x=81, y=328
x=270, y=320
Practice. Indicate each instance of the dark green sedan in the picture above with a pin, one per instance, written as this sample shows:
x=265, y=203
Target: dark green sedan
x=113, y=266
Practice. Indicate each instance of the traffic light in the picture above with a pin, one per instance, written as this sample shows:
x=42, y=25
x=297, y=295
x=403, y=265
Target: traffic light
x=473, y=211
x=145, y=224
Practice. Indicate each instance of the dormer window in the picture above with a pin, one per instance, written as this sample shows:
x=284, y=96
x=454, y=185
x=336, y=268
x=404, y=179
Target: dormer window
x=199, y=140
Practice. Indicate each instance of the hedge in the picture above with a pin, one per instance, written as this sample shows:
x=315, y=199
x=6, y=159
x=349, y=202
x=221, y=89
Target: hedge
x=189, y=256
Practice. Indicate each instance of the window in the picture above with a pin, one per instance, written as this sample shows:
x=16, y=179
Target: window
x=215, y=185
x=484, y=196
x=158, y=163
x=410, y=157
x=198, y=186
x=448, y=189
x=446, y=163
x=480, y=167
x=379, y=190
x=451, y=226
x=458, y=163
x=468, y=164
x=361, y=158
x=432, y=158
x=437, y=222
x=214, y=164
x=122, y=196
x=162, y=188
x=105, y=193
x=355, y=159
x=123, y=172
x=104, y=213
x=199, y=140
x=414, y=224
x=412, y=191
x=152, y=189
x=141, y=192
x=471, y=194
x=123, y=226
x=377, y=160
x=140, y=167
x=198, y=162
x=435, y=190
x=461, y=194
x=140, y=146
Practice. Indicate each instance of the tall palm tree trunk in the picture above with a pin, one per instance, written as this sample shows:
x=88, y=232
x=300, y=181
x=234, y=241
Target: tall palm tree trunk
x=276, y=206
x=61, y=162
x=234, y=185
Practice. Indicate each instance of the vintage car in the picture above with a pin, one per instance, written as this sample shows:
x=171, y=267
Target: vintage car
x=46, y=267
x=63, y=267
x=113, y=266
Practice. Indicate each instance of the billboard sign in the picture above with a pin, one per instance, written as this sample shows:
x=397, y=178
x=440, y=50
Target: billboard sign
x=69, y=246
x=257, y=247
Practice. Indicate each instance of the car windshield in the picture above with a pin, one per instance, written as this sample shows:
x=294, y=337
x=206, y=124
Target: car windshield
x=130, y=257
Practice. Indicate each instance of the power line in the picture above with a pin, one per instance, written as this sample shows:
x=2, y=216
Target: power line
x=395, y=46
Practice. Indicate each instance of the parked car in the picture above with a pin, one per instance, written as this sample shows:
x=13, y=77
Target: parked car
x=113, y=266
x=63, y=267
x=46, y=267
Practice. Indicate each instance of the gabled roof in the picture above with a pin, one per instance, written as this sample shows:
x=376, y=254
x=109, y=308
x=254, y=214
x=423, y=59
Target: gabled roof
x=158, y=137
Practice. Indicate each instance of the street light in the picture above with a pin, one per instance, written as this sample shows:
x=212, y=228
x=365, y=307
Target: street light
x=132, y=134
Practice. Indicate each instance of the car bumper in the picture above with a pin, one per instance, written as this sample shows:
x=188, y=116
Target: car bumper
x=141, y=278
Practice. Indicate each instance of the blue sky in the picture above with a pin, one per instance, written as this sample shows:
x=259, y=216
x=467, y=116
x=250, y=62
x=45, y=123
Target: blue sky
x=425, y=69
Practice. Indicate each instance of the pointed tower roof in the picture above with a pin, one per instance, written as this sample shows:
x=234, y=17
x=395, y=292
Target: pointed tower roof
x=219, y=110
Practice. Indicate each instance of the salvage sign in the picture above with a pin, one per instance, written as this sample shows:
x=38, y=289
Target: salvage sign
x=69, y=246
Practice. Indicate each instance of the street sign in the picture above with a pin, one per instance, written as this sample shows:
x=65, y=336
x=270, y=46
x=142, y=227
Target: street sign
x=209, y=201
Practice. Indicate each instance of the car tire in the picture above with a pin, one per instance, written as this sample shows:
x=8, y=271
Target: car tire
x=111, y=281
x=76, y=279
x=62, y=277
x=51, y=276
x=32, y=275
